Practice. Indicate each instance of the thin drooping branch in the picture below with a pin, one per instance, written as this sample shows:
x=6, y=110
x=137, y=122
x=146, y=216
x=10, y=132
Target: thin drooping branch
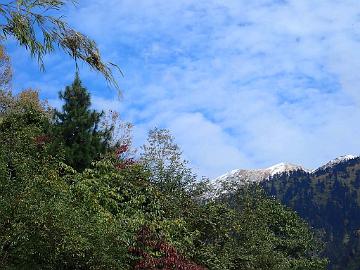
x=33, y=25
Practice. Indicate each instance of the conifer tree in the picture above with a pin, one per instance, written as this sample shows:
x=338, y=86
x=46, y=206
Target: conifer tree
x=77, y=127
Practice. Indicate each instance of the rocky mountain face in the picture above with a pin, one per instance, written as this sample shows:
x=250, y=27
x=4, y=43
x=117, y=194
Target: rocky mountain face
x=328, y=198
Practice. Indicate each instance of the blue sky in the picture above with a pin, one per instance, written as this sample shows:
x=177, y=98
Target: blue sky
x=241, y=84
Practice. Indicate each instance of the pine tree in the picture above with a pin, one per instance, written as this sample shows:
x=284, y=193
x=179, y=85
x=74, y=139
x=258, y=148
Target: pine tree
x=77, y=127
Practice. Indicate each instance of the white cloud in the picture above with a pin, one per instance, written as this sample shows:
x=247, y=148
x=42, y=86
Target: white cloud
x=240, y=83
x=206, y=144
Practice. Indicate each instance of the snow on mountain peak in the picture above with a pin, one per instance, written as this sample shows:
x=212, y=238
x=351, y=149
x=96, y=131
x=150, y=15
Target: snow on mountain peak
x=235, y=178
x=283, y=167
x=344, y=158
x=336, y=161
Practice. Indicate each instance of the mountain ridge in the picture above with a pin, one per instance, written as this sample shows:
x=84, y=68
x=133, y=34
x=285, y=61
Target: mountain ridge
x=258, y=175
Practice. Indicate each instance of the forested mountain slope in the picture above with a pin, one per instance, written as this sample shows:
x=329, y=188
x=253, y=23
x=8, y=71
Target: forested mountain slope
x=328, y=198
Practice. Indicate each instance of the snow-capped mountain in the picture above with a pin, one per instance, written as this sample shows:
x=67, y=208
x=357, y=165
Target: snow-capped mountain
x=232, y=180
x=327, y=198
x=336, y=161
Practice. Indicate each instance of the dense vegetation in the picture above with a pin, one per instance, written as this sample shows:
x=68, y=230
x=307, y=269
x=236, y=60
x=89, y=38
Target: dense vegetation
x=115, y=211
x=329, y=200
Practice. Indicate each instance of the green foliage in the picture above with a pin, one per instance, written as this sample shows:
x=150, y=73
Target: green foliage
x=52, y=217
x=35, y=25
x=244, y=230
x=25, y=100
x=278, y=238
x=114, y=214
x=247, y=230
x=77, y=128
x=162, y=157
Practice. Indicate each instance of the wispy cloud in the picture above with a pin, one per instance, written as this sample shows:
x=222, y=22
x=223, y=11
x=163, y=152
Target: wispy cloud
x=240, y=83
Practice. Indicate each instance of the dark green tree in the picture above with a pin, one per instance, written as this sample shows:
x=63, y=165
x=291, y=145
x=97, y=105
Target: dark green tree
x=77, y=127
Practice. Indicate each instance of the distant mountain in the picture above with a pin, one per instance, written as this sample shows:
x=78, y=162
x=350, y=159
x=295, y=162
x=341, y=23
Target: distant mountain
x=238, y=177
x=245, y=176
x=328, y=198
x=335, y=162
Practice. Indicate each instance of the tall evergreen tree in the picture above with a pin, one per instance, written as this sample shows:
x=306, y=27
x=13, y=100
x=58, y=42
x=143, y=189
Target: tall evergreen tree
x=77, y=127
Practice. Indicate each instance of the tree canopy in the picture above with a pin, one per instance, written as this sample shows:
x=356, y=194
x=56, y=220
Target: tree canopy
x=113, y=215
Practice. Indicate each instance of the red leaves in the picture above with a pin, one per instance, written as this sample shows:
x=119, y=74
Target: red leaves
x=121, y=150
x=121, y=155
x=41, y=140
x=169, y=259
x=123, y=164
